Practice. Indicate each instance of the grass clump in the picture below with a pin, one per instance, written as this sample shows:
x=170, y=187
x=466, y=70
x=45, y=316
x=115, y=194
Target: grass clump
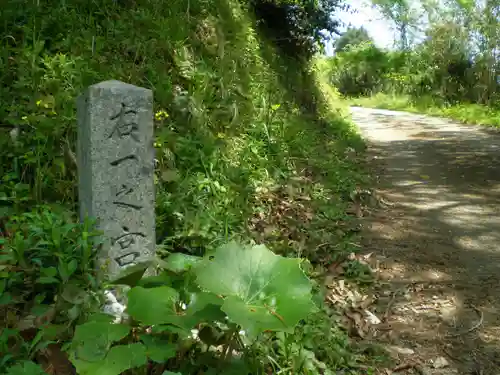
x=240, y=155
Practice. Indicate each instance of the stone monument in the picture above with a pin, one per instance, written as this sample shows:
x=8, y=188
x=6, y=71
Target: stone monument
x=115, y=170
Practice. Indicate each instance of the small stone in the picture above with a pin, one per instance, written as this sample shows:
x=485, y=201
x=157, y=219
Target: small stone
x=372, y=318
x=440, y=362
x=113, y=307
x=400, y=350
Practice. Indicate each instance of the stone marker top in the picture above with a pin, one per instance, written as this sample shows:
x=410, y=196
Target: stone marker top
x=115, y=168
x=113, y=83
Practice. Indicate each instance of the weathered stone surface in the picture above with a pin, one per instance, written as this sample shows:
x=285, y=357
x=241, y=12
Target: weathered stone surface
x=115, y=169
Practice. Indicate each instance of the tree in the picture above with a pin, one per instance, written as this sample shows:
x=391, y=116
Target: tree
x=445, y=57
x=359, y=70
x=402, y=15
x=481, y=20
x=457, y=61
x=297, y=26
x=351, y=37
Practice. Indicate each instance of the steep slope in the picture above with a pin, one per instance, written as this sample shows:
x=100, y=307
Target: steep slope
x=225, y=125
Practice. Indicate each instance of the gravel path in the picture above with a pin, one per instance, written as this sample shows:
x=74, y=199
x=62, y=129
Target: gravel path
x=439, y=238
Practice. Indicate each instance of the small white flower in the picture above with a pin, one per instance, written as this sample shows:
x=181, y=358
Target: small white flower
x=194, y=333
x=14, y=134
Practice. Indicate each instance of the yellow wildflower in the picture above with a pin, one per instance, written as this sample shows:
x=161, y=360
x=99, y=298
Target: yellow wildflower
x=161, y=115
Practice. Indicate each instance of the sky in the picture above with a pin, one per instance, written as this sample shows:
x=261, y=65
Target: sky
x=378, y=28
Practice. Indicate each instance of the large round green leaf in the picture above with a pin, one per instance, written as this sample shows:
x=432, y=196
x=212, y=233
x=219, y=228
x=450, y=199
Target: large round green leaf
x=153, y=305
x=263, y=291
x=93, y=339
x=179, y=262
x=119, y=359
x=161, y=305
x=158, y=349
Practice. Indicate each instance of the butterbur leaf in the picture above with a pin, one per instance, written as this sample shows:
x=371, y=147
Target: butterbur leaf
x=155, y=281
x=131, y=275
x=202, y=307
x=161, y=305
x=25, y=368
x=158, y=349
x=263, y=291
x=200, y=300
x=93, y=339
x=179, y=262
x=119, y=359
x=152, y=306
x=101, y=318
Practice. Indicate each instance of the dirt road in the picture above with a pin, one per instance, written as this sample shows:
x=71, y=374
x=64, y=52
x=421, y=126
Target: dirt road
x=438, y=238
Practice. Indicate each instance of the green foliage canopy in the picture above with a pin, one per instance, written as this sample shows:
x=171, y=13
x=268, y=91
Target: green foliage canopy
x=351, y=37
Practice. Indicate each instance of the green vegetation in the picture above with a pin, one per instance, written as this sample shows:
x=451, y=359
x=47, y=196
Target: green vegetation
x=251, y=286
x=251, y=146
x=351, y=37
x=452, y=72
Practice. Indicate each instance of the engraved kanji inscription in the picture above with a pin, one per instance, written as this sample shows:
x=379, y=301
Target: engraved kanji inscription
x=126, y=239
x=126, y=123
x=123, y=191
x=127, y=259
x=121, y=160
x=127, y=205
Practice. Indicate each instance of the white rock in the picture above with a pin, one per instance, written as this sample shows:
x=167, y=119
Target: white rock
x=372, y=318
x=113, y=307
x=400, y=350
x=14, y=134
x=440, y=362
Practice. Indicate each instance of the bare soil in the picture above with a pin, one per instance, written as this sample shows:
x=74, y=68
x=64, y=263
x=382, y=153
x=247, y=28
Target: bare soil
x=438, y=240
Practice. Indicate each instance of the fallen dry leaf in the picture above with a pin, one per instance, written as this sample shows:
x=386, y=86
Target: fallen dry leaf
x=55, y=362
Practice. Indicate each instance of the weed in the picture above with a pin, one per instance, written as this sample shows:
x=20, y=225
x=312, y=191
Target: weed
x=47, y=281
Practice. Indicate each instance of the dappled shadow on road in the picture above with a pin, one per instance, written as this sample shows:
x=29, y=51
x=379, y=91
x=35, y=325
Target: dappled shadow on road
x=440, y=236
